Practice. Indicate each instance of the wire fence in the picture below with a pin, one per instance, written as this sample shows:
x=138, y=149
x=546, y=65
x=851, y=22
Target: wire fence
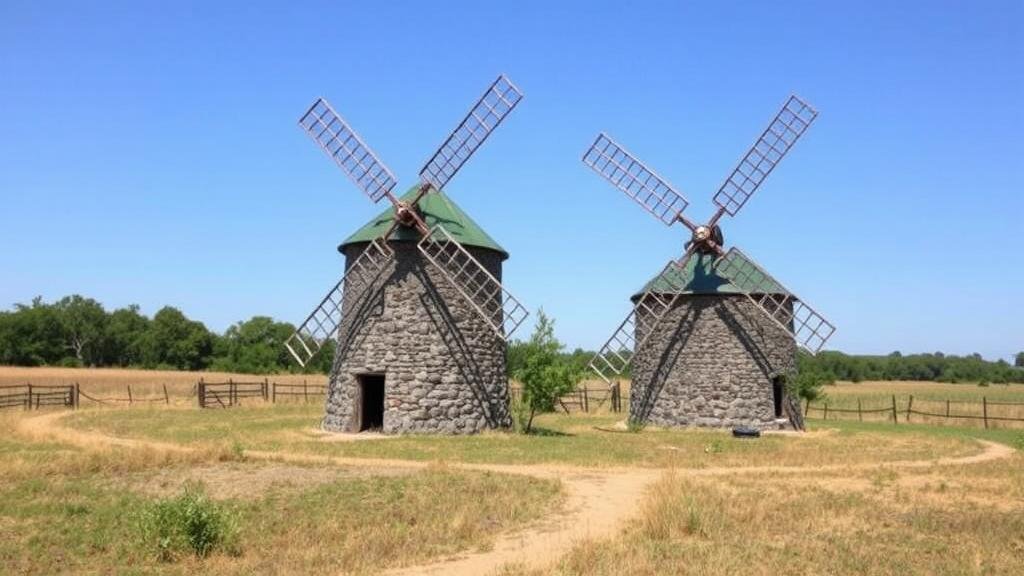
x=986, y=413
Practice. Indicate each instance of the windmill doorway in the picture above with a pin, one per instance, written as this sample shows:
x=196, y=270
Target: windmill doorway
x=777, y=391
x=371, y=402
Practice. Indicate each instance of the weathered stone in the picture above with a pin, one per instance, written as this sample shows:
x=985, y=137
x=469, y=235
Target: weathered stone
x=413, y=327
x=711, y=361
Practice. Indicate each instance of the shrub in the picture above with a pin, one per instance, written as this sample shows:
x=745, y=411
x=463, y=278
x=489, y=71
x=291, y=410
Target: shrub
x=544, y=372
x=189, y=521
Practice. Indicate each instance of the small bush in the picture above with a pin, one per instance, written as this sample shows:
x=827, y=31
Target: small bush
x=190, y=521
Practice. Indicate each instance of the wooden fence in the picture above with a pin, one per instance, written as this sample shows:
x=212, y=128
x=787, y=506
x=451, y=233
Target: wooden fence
x=988, y=413
x=584, y=398
x=231, y=393
x=130, y=399
x=34, y=396
x=304, y=391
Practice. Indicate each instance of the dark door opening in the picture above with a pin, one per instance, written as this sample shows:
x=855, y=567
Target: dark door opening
x=777, y=392
x=371, y=402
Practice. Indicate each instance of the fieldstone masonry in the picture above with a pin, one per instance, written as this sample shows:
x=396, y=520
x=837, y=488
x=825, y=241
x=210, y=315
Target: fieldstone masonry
x=444, y=368
x=711, y=362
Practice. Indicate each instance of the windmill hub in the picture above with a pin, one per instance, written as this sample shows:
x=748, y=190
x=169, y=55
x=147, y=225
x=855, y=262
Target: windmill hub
x=404, y=214
x=707, y=239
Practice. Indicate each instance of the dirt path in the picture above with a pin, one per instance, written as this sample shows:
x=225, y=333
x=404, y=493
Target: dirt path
x=598, y=501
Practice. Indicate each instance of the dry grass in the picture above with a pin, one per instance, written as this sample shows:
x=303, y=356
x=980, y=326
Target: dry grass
x=933, y=397
x=114, y=382
x=882, y=390
x=75, y=509
x=953, y=520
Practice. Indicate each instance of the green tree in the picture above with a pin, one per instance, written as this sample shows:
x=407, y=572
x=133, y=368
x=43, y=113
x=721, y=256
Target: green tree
x=1018, y=361
x=175, y=341
x=544, y=372
x=83, y=324
x=254, y=346
x=126, y=331
x=31, y=335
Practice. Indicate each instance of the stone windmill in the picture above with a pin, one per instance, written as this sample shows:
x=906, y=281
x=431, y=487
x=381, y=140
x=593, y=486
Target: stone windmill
x=420, y=317
x=712, y=338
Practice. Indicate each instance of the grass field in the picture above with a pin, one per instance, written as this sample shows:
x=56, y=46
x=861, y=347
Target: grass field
x=846, y=497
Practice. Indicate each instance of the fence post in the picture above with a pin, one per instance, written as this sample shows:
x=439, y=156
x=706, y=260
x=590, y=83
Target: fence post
x=29, y=405
x=894, y=419
x=129, y=394
x=232, y=392
x=202, y=393
x=947, y=408
x=77, y=394
x=273, y=393
x=825, y=417
x=807, y=408
x=167, y=398
x=860, y=415
x=266, y=390
x=910, y=404
x=984, y=410
x=305, y=392
x=586, y=399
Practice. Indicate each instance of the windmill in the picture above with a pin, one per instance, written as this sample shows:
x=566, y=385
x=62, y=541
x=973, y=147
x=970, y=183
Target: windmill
x=712, y=338
x=420, y=317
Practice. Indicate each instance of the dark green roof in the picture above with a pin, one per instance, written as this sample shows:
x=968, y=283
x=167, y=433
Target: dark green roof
x=436, y=208
x=699, y=277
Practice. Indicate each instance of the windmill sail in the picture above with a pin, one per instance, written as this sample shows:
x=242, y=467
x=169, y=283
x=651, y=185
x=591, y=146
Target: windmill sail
x=785, y=129
x=322, y=324
x=617, y=353
x=330, y=131
x=495, y=305
x=496, y=103
x=808, y=328
x=615, y=164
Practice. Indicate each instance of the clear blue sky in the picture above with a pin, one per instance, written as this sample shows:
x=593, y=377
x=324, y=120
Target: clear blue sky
x=150, y=152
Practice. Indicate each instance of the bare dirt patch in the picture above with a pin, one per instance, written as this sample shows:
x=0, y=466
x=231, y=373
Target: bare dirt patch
x=243, y=481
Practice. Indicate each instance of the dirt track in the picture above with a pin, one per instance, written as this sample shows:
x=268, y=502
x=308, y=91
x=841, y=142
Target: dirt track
x=599, y=501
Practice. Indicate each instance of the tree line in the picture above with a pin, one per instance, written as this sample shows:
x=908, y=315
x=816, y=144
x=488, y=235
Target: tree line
x=79, y=331
x=935, y=367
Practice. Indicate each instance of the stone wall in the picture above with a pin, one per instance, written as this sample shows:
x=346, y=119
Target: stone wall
x=711, y=362
x=444, y=368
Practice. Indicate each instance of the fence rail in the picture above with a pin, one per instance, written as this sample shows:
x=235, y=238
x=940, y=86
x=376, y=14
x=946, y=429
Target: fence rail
x=945, y=411
x=35, y=396
x=303, y=390
x=584, y=398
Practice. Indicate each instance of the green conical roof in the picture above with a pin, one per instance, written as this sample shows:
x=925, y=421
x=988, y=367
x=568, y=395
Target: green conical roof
x=699, y=277
x=435, y=208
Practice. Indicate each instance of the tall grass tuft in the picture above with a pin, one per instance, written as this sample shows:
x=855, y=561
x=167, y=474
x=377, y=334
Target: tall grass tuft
x=190, y=521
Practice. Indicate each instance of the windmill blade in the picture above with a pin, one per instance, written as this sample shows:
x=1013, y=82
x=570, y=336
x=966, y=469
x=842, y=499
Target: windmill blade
x=785, y=129
x=808, y=328
x=323, y=323
x=330, y=131
x=483, y=118
x=625, y=172
x=617, y=353
x=496, y=305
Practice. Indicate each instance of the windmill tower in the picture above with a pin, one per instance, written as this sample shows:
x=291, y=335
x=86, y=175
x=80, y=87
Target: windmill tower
x=420, y=317
x=712, y=337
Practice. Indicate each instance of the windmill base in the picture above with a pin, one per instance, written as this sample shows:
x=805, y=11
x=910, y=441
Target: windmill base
x=413, y=356
x=715, y=360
